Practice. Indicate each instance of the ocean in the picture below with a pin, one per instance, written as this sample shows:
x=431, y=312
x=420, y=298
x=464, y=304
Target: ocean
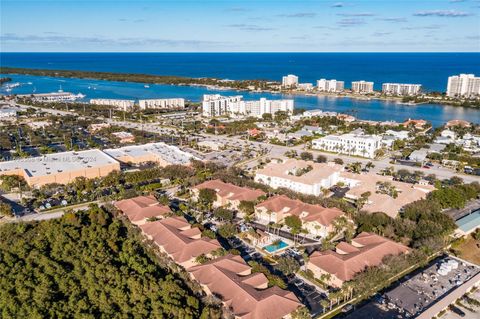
x=429, y=69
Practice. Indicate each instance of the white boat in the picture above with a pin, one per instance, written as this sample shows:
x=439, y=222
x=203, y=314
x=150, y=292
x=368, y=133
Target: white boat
x=60, y=90
x=12, y=85
x=146, y=86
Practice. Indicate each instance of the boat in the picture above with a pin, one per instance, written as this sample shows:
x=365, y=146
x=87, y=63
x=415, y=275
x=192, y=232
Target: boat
x=60, y=90
x=10, y=86
x=146, y=86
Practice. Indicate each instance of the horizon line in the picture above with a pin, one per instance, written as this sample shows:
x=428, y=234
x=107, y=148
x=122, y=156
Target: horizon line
x=240, y=52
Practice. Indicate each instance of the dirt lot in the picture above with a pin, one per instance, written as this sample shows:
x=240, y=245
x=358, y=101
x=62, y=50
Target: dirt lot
x=469, y=250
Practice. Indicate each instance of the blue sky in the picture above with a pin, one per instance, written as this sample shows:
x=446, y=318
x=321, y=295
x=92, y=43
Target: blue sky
x=237, y=26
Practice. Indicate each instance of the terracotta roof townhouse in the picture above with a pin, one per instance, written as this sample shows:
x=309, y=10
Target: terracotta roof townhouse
x=315, y=218
x=139, y=209
x=228, y=194
x=366, y=250
x=243, y=292
x=175, y=237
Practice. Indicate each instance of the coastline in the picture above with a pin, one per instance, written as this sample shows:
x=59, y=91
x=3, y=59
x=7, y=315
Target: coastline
x=252, y=86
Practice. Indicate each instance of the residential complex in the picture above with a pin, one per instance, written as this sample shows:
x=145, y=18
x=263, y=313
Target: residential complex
x=174, y=103
x=385, y=194
x=324, y=85
x=52, y=97
x=228, y=194
x=290, y=81
x=142, y=208
x=124, y=105
x=362, y=87
x=305, y=86
x=160, y=153
x=300, y=176
x=351, y=144
x=61, y=168
x=183, y=243
x=217, y=105
x=317, y=220
x=401, y=89
x=246, y=294
x=463, y=85
x=365, y=250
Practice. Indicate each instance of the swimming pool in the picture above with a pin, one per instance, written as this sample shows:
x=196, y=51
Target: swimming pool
x=273, y=248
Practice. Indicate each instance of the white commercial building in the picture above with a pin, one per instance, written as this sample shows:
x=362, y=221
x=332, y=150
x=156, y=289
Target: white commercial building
x=174, y=103
x=290, y=81
x=466, y=85
x=324, y=85
x=401, y=88
x=362, y=87
x=351, y=144
x=218, y=105
x=300, y=176
x=124, y=105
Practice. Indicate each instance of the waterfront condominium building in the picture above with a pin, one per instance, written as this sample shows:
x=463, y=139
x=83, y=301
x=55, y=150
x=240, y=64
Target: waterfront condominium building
x=290, y=81
x=234, y=106
x=124, y=105
x=362, y=87
x=466, y=85
x=259, y=107
x=351, y=144
x=218, y=105
x=174, y=103
x=401, y=88
x=324, y=85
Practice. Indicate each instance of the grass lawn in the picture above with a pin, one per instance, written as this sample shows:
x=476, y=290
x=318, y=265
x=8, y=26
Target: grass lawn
x=468, y=249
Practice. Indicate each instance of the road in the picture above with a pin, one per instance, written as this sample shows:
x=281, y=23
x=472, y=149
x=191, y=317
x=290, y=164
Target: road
x=54, y=213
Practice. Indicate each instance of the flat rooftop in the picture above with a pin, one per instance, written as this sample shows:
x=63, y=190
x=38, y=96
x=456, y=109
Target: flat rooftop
x=58, y=162
x=169, y=153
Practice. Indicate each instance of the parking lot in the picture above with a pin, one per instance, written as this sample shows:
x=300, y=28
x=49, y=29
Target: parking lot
x=417, y=292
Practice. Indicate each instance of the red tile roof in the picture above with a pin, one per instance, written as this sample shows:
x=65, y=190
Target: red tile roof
x=178, y=239
x=229, y=277
x=230, y=191
x=142, y=207
x=366, y=250
x=309, y=212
